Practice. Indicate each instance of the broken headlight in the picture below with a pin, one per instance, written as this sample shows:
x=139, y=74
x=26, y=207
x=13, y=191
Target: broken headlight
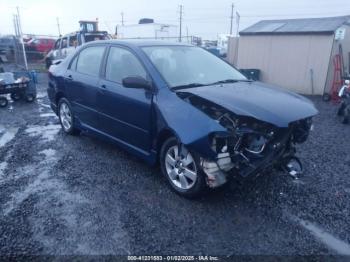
x=301, y=130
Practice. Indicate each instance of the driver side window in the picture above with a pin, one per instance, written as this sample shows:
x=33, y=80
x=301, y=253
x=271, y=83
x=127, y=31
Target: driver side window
x=122, y=63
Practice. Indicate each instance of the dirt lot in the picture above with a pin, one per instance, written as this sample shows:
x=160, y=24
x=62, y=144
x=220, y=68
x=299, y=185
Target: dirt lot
x=79, y=195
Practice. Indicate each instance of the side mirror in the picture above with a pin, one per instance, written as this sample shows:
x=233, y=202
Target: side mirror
x=136, y=82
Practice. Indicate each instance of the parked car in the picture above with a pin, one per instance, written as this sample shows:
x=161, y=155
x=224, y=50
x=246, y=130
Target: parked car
x=181, y=106
x=67, y=44
x=8, y=45
x=39, y=47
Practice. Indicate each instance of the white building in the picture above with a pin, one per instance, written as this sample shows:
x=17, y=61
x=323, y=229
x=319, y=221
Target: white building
x=148, y=31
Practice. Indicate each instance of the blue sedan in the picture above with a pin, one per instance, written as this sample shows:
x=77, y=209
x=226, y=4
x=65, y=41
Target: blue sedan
x=182, y=107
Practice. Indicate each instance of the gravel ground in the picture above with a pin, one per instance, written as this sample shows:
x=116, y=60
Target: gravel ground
x=79, y=195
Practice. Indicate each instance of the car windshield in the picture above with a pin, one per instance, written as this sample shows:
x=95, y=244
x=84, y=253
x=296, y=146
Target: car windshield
x=189, y=66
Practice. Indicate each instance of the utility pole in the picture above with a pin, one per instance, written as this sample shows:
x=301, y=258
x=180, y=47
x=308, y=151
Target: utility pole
x=180, y=33
x=58, y=26
x=16, y=34
x=186, y=34
x=21, y=37
x=15, y=25
x=231, y=18
x=122, y=14
x=238, y=18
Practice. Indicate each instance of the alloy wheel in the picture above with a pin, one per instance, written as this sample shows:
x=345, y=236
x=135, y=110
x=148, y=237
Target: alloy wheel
x=66, y=117
x=182, y=171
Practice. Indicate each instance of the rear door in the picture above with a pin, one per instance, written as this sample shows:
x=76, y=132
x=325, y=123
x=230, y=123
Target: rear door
x=82, y=79
x=125, y=112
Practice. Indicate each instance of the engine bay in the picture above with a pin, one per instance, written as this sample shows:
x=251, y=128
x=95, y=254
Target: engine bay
x=250, y=146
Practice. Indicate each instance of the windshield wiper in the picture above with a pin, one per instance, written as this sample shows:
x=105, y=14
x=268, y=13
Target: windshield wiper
x=191, y=85
x=226, y=81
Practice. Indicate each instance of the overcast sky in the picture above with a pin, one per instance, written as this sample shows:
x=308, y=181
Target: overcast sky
x=204, y=18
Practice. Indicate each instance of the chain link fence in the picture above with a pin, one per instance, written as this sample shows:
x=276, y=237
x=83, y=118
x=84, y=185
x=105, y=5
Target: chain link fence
x=33, y=51
x=194, y=40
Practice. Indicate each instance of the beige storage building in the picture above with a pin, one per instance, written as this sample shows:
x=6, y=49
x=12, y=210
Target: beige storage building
x=296, y=54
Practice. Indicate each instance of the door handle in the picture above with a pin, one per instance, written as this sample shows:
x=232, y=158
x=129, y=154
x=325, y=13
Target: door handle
x=103, y=86
x=70, y=77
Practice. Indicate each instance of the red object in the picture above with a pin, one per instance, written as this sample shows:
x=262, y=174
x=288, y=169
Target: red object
x=42, y=45
x=337, y=81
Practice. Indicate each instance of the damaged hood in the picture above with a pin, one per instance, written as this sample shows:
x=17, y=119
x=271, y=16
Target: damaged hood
x=258, y=100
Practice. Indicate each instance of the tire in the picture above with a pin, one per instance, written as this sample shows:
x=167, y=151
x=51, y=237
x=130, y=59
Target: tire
x=191, y=185
x=16, y=96
x=326, y=97
x=48, y=63
x=340, y=111
x=30, y=98
x=346, y=115
x=66, y=117
x=3, y=101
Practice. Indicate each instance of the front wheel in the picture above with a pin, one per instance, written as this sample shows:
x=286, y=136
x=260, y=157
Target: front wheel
x=182, y=170
x=66, y=117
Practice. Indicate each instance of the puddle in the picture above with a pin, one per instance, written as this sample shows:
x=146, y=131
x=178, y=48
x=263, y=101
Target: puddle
x=48, y=132
x=8, y=135
x=49, y=154
x=339, y=246
x=43, y=104
x=41, y=95
x=298, y=182
x=48, y=115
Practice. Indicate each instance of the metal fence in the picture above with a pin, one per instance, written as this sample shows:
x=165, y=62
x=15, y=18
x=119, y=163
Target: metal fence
x=194, y=40
x=31, y=54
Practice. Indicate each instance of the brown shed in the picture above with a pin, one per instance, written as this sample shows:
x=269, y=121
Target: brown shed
x=296, y=54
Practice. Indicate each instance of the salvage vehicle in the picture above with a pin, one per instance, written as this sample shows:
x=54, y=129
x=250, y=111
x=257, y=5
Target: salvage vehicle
x=38, y=47
x=180, y=106
x=8, y=45
x=67, y=44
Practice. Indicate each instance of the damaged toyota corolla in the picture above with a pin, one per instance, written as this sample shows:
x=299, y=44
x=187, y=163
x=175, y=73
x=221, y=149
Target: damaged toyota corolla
x=180, y=106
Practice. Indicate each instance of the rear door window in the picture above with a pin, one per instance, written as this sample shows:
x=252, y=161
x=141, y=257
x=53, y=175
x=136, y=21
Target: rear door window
x=89, y=60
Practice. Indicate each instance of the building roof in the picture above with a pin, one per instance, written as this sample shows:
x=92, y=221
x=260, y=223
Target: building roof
x=325, y=25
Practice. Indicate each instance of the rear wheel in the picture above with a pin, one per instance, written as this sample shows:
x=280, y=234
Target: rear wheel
x=66, y=117
x=3, y=101
x=182, y=171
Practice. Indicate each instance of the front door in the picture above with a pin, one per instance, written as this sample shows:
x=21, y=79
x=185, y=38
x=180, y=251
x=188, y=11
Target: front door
x=125, y=113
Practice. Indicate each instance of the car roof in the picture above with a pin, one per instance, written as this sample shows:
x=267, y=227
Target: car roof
x=139, y=42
